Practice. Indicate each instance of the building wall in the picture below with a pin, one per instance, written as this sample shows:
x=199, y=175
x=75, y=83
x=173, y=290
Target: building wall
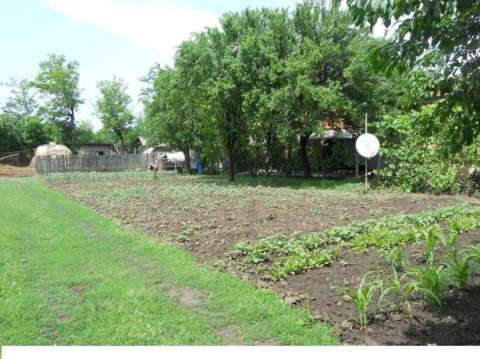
x=95, y=150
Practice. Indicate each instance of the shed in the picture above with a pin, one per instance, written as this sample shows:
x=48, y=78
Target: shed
x=96, y=149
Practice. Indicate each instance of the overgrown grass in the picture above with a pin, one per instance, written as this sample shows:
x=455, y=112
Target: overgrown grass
x=69, y=276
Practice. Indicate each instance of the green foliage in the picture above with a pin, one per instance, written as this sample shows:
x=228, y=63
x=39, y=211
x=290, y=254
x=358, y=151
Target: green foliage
x=10, y=138
x=21, y=125
x=251, y=92
x=384, y=239
x=362, y=298
x=447, y=29
x=413, y=162
x=461, y=224
x=58, y=82
x=34, y=133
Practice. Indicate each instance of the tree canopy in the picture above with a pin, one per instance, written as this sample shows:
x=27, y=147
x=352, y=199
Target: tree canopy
x=262, y=83
x=113, y=108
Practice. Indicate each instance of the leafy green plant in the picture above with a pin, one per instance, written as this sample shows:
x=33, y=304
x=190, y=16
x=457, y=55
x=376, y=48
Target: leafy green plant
x=301, y=262
x=459, y=270
x=362, y=298
x=431, y=283
x=462, y=224
x=378, y=239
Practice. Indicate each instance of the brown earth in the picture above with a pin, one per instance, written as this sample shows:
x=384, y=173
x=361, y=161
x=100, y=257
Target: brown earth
x=322, y=291
x=210, y=223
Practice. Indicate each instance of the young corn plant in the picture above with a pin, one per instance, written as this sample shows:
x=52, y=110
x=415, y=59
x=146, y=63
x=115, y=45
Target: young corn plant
x=450, y=242
x=401, y=290
x=395, y=258
x=430, y=238
x=362, y=298
x=472, y=254
x=430, y=282
x=459, y=270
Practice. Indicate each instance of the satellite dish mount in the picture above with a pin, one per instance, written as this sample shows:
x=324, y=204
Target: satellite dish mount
x=367, y=146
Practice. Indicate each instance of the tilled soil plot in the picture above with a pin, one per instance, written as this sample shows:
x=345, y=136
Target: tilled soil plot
x=209, y=219
x=322, y=291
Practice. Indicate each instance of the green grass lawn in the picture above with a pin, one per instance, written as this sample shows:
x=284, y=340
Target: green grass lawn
x=70, y=276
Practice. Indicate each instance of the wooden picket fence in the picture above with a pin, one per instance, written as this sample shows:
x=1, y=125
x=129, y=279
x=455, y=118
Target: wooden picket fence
x=104, y=163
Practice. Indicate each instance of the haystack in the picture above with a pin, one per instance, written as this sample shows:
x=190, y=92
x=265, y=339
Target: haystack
x=52, y=149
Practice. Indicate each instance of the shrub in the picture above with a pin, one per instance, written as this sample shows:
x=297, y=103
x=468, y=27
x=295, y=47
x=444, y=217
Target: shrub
x=413, y=160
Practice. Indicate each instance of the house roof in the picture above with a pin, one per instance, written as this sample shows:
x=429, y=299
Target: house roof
x=97, y=145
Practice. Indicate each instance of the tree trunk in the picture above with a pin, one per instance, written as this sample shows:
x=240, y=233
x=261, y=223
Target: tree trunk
x=286, y=166
x=122, y=141
x=71, y=128
x=186, y=151
x=269, y=151
x=307, y=170
x=231, y=163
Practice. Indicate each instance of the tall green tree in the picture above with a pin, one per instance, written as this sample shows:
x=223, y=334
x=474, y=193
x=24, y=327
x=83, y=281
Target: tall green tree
x=113, y=108
x=22, y=103
x=227, y=88
x=316, y=71
x=450, y=31
x=58, y=82
x=34, y=133
x=21, y=121
x=266, y=43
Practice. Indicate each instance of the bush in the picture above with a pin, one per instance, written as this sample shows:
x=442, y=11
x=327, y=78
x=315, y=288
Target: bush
x=412, y=160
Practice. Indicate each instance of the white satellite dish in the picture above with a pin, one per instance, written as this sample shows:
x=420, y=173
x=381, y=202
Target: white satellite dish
x=367, y=145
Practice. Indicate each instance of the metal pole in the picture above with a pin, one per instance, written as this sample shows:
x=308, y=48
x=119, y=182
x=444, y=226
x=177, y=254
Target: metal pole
x=366, y=159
